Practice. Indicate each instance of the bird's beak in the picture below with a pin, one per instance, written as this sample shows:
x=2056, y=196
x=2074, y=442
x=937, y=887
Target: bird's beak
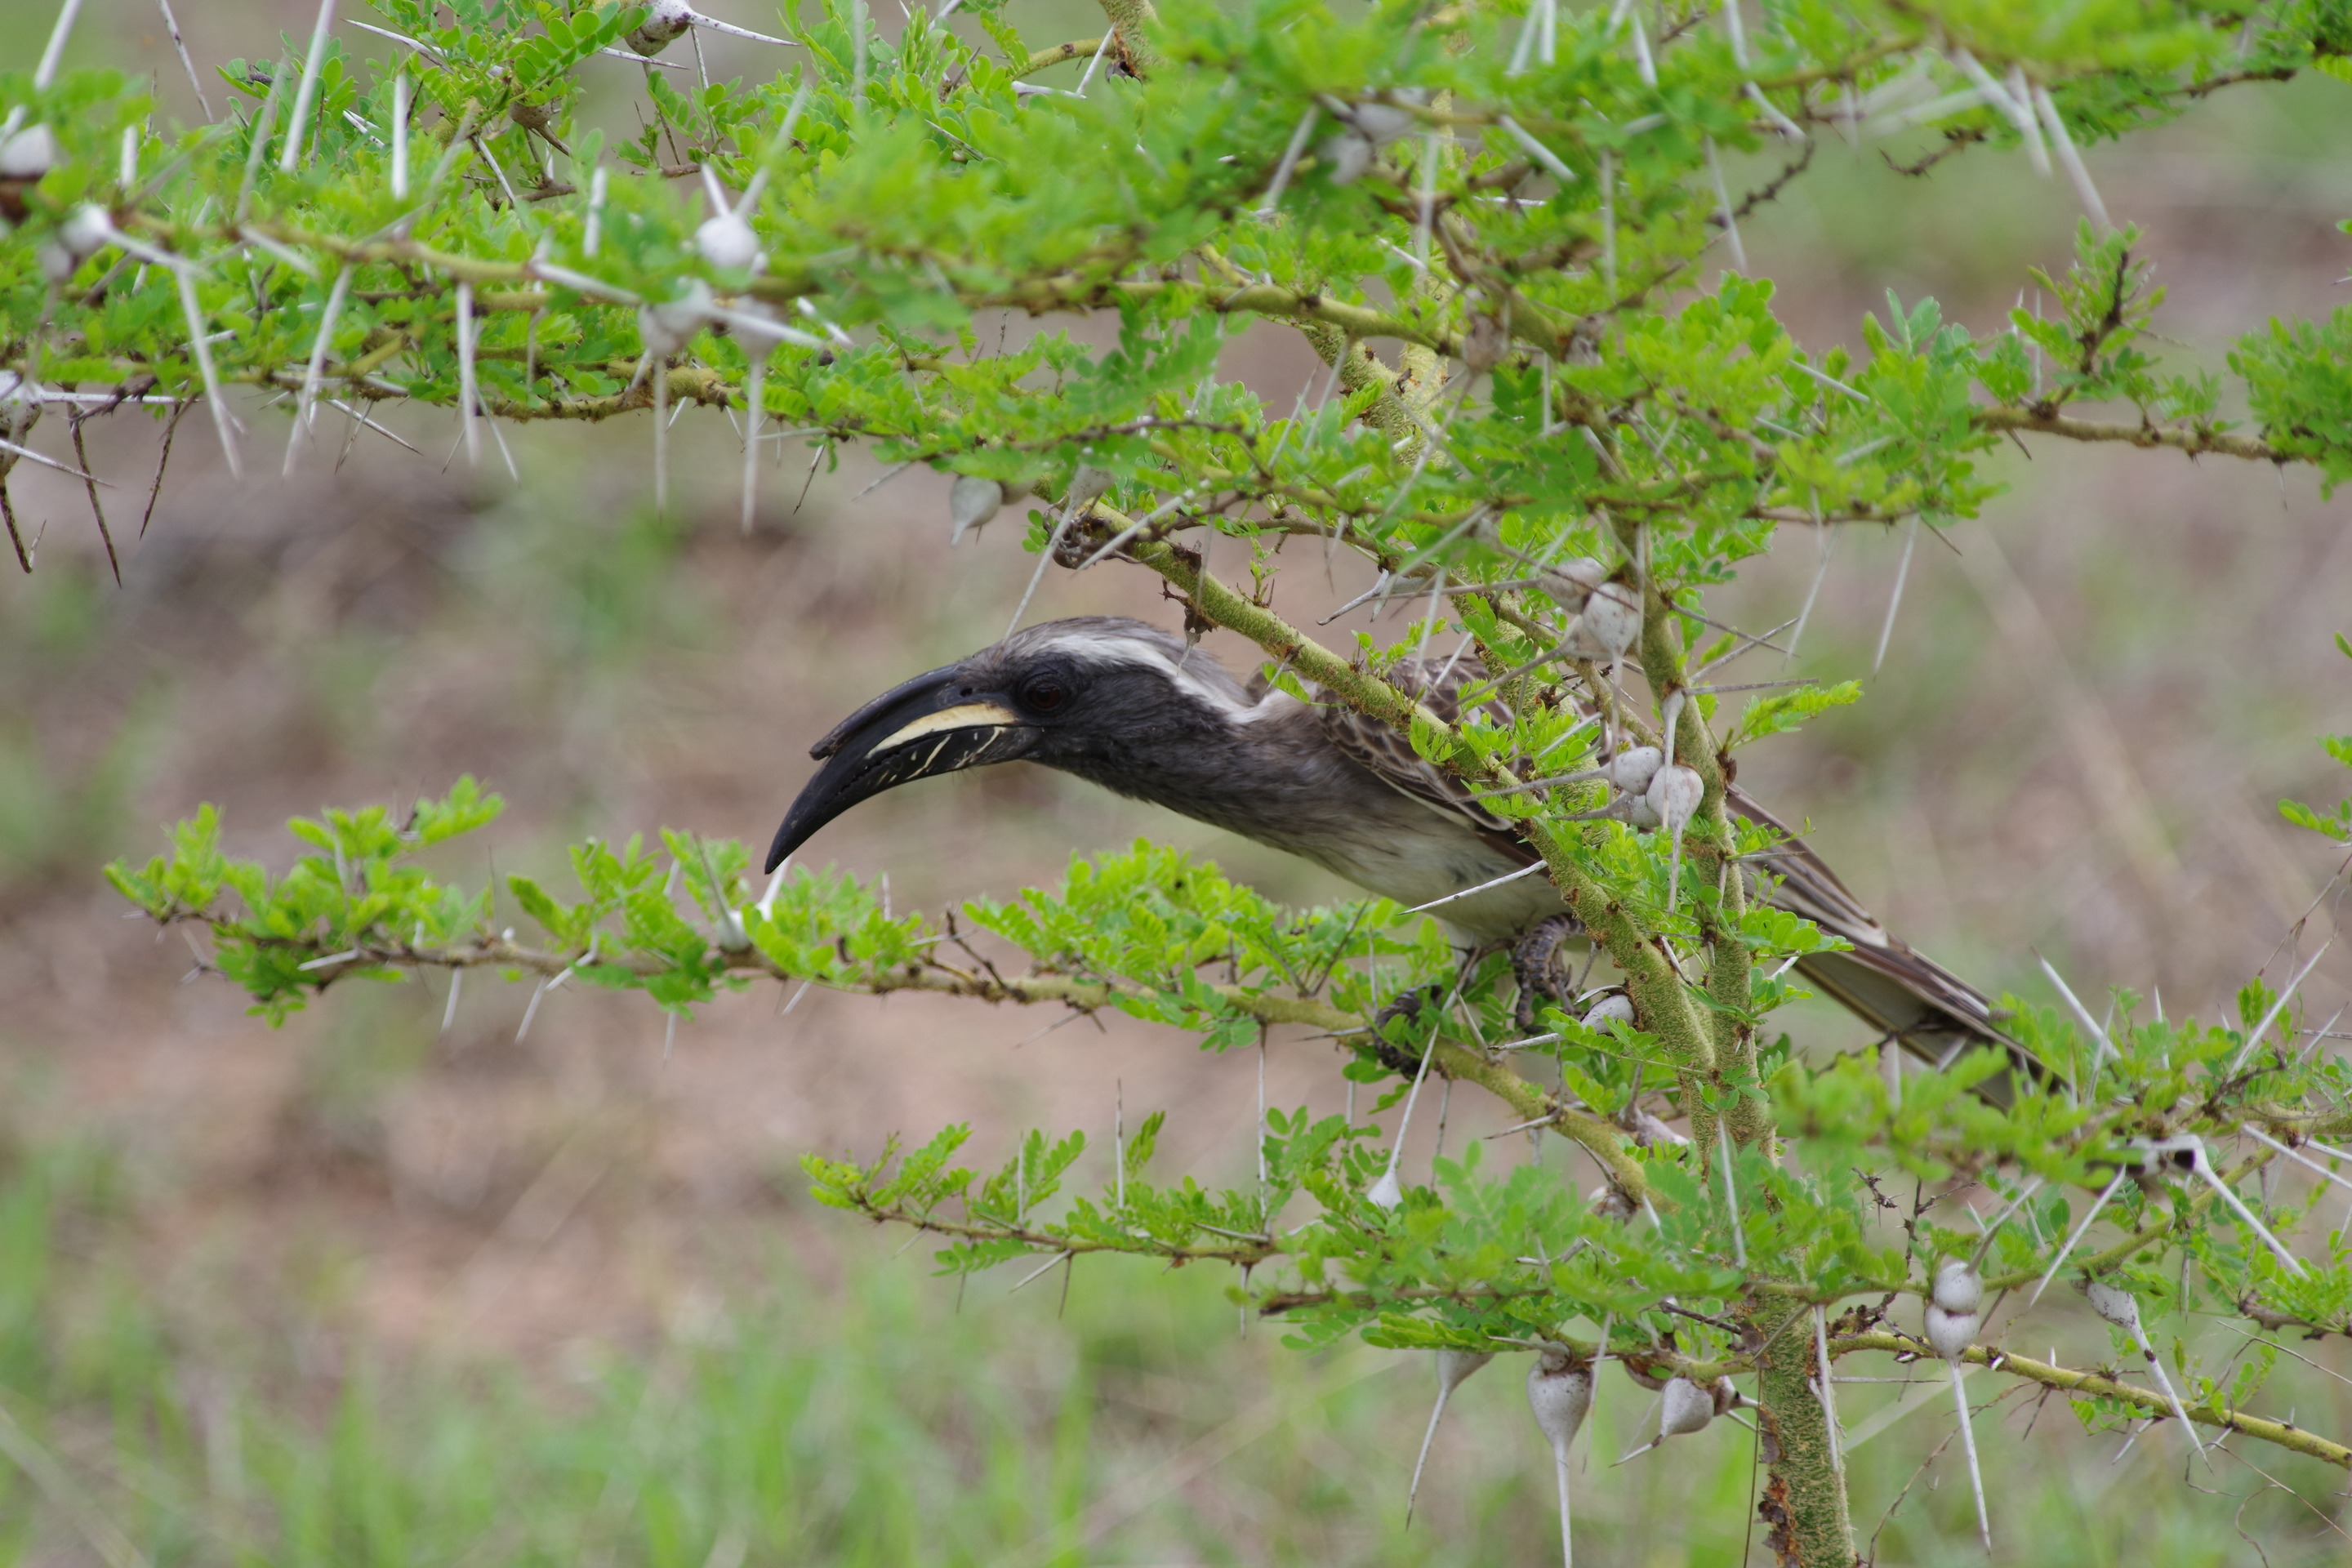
x=936, y=723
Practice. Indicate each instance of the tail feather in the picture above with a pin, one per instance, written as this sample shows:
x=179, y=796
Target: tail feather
x=1902, y=993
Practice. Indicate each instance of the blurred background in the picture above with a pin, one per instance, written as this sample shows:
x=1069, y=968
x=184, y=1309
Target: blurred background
x=359, y=1291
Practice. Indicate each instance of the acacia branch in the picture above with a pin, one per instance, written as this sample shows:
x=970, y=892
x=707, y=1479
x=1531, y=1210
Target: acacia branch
x=2194, y=440
x=1533, y=1104
x=2099, y=1385
x=1076, y=49
x=1246, y=1256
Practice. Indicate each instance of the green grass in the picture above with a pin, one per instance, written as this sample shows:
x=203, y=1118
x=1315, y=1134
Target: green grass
x=874, y=1421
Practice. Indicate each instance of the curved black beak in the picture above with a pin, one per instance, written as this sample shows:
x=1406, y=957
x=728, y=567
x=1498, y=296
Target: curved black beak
x=936, y=723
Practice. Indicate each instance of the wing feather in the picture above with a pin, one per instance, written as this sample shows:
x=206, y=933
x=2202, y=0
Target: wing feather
x=1884, y=981
x=1390, y=756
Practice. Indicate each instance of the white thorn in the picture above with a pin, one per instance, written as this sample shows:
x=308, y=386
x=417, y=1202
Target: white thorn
x=1895, y=601
x=306, y=405
x=465, y=416
x=400, y=132
x=1108, y=33
x=47, y=72
x=2060, y=1261
x=2245, y=1216
x=223, y=425
x=1388, y=1193
x=307, y=94
x=1290, y=155
x=1723, y=201
x=2286, y=996
x=2310, y=1164
x=1969, y=1443
x=2085, y=191
x=1828, y=1389
x=2082, y=1016
x=1731, y=1193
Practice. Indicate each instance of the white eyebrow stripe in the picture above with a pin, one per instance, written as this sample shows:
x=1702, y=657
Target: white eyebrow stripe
x=1100, y=649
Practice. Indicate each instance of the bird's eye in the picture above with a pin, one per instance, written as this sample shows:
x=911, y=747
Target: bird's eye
x=1043, y=693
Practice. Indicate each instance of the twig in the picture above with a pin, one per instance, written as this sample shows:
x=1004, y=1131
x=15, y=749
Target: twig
x=171, y=25
x=73, y=423
x=171, y=425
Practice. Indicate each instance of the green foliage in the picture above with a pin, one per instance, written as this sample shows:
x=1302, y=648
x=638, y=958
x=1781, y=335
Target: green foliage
x=2338, y=824
x=1785, y=710
x=1471, y=1260
x=914, y=189
x=1430, y=181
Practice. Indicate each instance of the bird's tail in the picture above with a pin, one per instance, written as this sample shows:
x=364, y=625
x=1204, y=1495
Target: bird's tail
x=1902, y=993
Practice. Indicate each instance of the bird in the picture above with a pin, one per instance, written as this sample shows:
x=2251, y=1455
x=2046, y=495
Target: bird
x=1144, y=713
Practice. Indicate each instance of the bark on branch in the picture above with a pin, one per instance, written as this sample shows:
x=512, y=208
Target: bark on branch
x=2099, y=1385
x=2190, y=439
x=1531, y=1103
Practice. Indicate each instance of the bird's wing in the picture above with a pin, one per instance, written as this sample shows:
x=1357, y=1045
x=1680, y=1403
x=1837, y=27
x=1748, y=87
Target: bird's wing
x=1389, y=756
x=1901, y=992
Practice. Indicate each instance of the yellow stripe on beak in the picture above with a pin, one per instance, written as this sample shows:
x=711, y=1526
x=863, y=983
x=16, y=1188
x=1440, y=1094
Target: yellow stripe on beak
x=966, y=716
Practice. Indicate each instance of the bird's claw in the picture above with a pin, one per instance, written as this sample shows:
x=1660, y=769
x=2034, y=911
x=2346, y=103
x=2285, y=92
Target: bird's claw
x=1535, y=964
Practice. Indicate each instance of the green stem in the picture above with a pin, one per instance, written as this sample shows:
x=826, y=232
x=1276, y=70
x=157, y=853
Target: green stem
x=1132, y=20
x=1804, y=1500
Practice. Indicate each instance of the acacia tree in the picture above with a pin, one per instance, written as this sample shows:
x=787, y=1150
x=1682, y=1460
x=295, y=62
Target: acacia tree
x=1490, y=222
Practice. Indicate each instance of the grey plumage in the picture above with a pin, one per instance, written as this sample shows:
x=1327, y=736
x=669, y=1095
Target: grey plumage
x=1134, y=709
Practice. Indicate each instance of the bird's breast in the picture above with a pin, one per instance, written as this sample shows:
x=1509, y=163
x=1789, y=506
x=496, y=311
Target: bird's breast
x=1422, y=862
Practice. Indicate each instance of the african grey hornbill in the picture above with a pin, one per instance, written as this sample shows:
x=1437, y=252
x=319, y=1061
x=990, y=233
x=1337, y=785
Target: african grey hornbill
x=1126, y=705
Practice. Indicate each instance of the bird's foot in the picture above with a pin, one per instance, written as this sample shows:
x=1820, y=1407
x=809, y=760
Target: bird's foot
x=1408, y=1006
x=1535, y=964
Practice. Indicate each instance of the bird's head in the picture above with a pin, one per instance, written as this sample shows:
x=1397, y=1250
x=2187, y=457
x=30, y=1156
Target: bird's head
x=1115, y=701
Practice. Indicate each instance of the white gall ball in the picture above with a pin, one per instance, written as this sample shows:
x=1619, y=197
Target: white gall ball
x=1346, y=155
x=973, y=501
x=666, y=21
x=1949, y=1333
x=1560, y=1392
x=1612, y=618
x=1612, y=1007
x=1453, y=1366
x=1958, y=1287
x=29, y=153
x=1632, y=769
x=86, y=229
x=1675, y=794
x=1572, y=581
x=1381, y=123
x=726, y=241
x=665, y=327
x=2115, y=1304
x=1686, y=1407
x=1087, y=487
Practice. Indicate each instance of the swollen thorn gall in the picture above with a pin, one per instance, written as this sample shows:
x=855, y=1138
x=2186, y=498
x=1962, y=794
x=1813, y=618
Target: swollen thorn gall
x=1453, y=1367
x=1560, y=1392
